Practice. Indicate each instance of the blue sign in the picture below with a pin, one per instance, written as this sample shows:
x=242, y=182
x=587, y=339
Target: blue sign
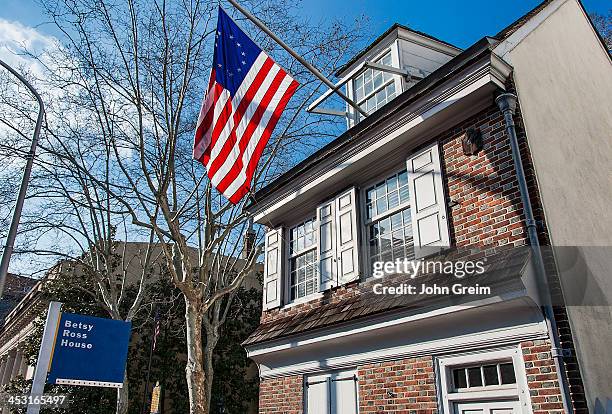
x=89, y=351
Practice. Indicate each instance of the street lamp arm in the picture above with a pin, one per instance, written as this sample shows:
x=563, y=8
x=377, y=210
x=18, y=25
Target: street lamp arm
x=10, y=239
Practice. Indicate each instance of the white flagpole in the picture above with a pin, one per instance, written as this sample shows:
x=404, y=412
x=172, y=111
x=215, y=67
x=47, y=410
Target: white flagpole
x=300, y=59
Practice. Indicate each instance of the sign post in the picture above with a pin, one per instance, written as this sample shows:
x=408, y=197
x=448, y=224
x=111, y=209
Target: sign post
x=44, y=356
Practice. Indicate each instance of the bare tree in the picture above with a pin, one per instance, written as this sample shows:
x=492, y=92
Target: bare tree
x=132, y=75
x=71, y=218
x=603, y=24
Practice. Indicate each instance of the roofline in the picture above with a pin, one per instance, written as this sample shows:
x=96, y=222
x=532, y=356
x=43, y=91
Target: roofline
x=406, y=97
x=395, y=26
x=442, y=74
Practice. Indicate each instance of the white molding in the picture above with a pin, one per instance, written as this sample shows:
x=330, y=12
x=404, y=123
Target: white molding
x=481, y=74
x=294, y=355
x=520, y=391
x=506, y=46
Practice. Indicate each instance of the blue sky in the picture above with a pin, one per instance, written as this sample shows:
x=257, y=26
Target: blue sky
x=458, y=22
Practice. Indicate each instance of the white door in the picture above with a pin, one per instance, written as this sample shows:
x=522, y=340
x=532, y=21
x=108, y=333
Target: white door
x=496, y=407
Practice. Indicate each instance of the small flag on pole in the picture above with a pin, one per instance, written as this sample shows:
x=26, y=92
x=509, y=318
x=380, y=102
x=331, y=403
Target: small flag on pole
x=157, y=329
x=246, y=95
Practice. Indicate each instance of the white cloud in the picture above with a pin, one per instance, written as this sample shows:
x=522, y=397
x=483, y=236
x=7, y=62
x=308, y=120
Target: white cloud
x=16, y=38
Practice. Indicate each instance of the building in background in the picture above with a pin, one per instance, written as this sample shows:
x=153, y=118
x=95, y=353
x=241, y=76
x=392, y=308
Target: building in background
x=432, y=166
x=28, y=304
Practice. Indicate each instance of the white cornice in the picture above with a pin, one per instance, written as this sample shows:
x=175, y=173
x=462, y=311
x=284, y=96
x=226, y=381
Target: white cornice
x=482, y=74
x=514, y=327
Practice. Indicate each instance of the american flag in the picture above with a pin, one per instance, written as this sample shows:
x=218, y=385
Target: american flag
x=246, y=95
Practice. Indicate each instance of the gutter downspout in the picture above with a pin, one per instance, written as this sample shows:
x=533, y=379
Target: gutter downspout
x=507, y=105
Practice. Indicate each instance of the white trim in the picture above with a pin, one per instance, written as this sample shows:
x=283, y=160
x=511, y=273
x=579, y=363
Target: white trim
x=486, y=72
x=520, y=391
x=345, y=346
x=85, y=383
x=371, y=324
x=505, y=47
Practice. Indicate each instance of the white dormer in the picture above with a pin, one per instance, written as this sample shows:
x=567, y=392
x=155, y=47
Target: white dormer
x=393, y=63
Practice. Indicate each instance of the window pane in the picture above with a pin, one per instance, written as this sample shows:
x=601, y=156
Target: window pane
x=378, y=79
x=370, y=210
x=490, y=375
x=359, y=94
x=359, y=83
x=459, y=380
x=396, y=221
x=371, y=104
x=474, y=377
x=390, y=89
x=404, y=194
x=403, y=178
x=507, y=373
x=380, y=190
x=394, y=200
x=380, y=98
x=381, y=205
x=386, y=60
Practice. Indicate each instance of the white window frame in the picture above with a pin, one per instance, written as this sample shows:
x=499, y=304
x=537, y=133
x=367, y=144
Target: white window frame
x=366, y=222
x=393, y=48
x=290, y=256
x=449, y=396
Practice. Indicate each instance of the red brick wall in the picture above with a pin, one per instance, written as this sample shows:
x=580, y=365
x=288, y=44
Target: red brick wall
x=542, y=378
x=489, y=209
x=281, y=395
x=398, y=387
x=483, y=187
x=487, y=212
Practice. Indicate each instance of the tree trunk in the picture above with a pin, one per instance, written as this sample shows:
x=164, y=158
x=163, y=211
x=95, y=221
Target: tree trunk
x=196, y=377
x=123, y=396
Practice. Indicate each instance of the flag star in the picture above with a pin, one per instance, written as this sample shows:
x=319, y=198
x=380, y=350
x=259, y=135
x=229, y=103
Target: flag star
x=231, y=36
x=218, y=64
x=243, y=62
x=239, y=70
x=243, y=54
x=238, y=44
x=231, y=74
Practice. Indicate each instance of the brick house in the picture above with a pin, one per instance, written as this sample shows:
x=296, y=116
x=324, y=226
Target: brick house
x=430, y=172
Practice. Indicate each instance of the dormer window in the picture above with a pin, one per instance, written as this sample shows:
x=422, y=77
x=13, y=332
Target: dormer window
x=374, y=88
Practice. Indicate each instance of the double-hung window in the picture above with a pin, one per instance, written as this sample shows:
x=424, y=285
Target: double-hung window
x=374, y=88
x=304, y=279
x=388, y=220
x=403, y=216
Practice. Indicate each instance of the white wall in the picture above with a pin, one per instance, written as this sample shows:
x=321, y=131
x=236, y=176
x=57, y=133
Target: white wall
x=564, y=82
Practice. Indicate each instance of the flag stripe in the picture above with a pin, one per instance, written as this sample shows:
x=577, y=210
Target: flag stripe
x=242, y=114
x=253, y=131
x=257, y=105
x=241, y=184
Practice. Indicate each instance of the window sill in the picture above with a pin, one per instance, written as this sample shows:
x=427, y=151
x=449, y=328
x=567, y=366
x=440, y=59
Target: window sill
x=305, y=299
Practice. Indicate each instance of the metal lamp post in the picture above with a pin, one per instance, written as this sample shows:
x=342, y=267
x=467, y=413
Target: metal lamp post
x=10, y=239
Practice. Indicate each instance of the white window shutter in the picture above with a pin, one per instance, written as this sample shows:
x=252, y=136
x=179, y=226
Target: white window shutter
x=428, y=204
x=343, y=389
x=346, y=236
x=318, y=401
x=272, y=288
x=326, y=223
